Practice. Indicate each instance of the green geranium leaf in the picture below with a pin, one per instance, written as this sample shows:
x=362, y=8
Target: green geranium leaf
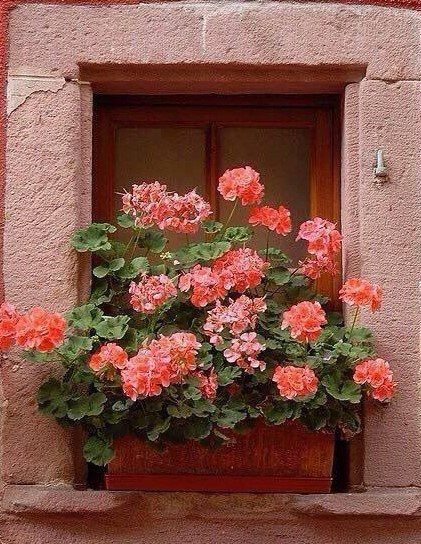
x=229, y=418
x=53, y=398
x=101, y=293
x=233, y=412
x=159, y=428
x=75, y=345
x=96, y=403
x=113, y=328
x=122, y=405
x=342, y=348
x=361, y=334
x=273, y=344
x=237, y=234
x=126, y=221
x=84, y=317
x=278, y=412
x=279, y=275
x=93, y=238
x=92, y=405
x=316, y=419
x=205, y=251
x=37, y=356
x=97, y=450
x=334, y=318
x=134, y=268
x=77, y=408
x=198, y=428
x=182, y=411
x=203, y=407
x=346, y=391
x=275, y=256
x=116, y=264
x=192, y=392
x=102, y=270
x=298, y=280
x=153, y=240
x=132, y=339
x=211, y=227
x=228, y=374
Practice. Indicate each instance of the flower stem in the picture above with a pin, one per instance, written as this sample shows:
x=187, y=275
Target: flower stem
x=267, y=245
x=231, y=215
x=134, y=245
x=353, y=322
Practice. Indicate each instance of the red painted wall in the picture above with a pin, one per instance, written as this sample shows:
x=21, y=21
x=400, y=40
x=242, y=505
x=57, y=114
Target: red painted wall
x=7, y=5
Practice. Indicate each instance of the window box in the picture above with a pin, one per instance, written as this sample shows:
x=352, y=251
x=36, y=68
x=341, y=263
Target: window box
x=284, y=458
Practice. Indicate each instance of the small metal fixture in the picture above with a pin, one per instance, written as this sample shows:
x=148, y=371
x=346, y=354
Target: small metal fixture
x=380, y=170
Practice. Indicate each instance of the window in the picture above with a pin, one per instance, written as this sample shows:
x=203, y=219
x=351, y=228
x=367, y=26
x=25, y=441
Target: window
x=188, y=141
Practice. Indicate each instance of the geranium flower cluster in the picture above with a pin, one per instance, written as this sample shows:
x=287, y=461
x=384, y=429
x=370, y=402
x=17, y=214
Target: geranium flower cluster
x=160, y=363
x=9, y=318
x=237, y=316
x=377, y=374
x=244, y=350
x=293, y=381
x=324, y=241
x=152, y=205
x=236, y=270
x=108, y=357
x=245, y=344
x=204, y=283
x=241, y=183
x=240, y=269
x=359, y=292
x=151, y=292
x=208, y=384
x=36, y=329
x=305, y=321
x=278, y=220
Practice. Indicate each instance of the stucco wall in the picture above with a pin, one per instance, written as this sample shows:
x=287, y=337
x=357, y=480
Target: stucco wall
x=57, y=54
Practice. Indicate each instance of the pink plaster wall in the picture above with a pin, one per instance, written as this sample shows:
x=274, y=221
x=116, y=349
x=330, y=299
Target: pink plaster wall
x=374, y=54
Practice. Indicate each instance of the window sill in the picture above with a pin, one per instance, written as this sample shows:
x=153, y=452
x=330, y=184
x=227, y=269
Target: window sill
x=34, y=500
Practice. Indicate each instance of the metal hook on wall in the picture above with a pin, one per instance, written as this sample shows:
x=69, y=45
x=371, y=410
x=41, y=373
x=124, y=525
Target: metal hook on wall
x=380, y=170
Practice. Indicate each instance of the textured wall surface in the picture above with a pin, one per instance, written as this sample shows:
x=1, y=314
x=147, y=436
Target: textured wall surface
x=56, y=52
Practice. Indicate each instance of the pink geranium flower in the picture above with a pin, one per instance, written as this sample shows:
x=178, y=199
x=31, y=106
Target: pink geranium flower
x=324, y=240
x=40, y=330
x=358, y=292
x=183, y=214
x=151, y=292
x=9, y=318
x=152, y=205
x=242, y=183
x=377, y=374
x=313, y=268
x=145, y=202
x=159, y=363
x=204, y=283
x=243, y=351
x=237, y=316
x=240, y=269
x=305, y=320
x=109, y=354
x=274, y=219
x=208, y=384
x=295, y=381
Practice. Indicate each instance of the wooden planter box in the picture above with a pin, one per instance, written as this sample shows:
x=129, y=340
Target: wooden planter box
x=286, y=458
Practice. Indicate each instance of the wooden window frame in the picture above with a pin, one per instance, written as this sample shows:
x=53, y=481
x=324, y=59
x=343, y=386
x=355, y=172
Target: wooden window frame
x=318, y=113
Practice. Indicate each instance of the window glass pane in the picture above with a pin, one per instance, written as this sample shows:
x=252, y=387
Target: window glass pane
x=171, y=155
x=281, y=155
